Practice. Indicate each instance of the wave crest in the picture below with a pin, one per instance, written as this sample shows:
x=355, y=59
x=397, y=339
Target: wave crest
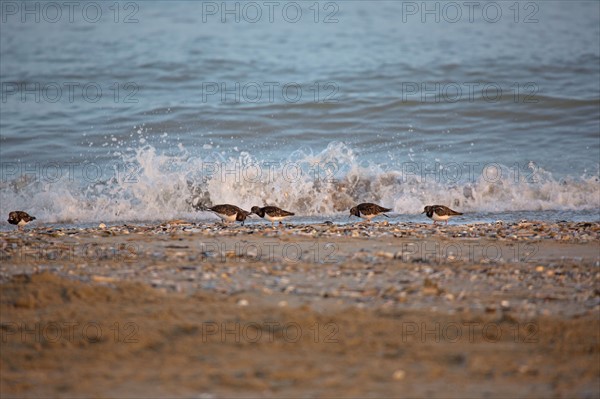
x=148, y=185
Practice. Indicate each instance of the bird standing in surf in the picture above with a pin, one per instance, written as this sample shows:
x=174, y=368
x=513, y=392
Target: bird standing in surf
x=439, y=213
x=368, y=211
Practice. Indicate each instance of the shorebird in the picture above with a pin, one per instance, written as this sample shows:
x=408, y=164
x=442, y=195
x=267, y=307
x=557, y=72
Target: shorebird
x=19, y=218
x=439, y=213
x=368, y=211
x=271, y=213
x=229, y=213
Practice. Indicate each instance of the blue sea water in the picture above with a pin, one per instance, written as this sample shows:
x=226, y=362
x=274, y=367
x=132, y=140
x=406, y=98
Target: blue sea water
x=136, y=111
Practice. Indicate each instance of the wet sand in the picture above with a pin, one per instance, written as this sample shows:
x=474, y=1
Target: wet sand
x=379, y=310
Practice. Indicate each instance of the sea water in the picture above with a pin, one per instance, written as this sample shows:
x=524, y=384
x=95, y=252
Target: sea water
x=126, y=112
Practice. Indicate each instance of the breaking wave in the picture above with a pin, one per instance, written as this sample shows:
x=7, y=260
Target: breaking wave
x=148, y=185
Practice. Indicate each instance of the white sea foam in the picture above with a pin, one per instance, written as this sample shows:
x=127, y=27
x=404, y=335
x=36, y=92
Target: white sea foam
x=155, y=186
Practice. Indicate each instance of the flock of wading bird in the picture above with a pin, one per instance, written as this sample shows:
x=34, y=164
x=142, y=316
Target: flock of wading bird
x=231, y=213
x=367, y=210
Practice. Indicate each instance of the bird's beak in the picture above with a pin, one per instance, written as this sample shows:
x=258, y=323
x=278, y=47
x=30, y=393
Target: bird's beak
x=422, y=212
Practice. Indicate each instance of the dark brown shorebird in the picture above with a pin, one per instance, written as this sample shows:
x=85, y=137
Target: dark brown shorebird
x=271, y=213
x=439, y=213
x=229, y=213
x=368, y=211
x=19, y=218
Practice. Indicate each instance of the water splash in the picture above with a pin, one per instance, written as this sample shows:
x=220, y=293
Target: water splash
x=149, y=185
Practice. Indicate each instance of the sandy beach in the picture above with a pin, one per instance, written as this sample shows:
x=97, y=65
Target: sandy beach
x=380, y=310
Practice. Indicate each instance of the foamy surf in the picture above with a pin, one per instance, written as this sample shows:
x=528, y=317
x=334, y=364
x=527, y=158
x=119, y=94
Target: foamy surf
x=146, y=184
